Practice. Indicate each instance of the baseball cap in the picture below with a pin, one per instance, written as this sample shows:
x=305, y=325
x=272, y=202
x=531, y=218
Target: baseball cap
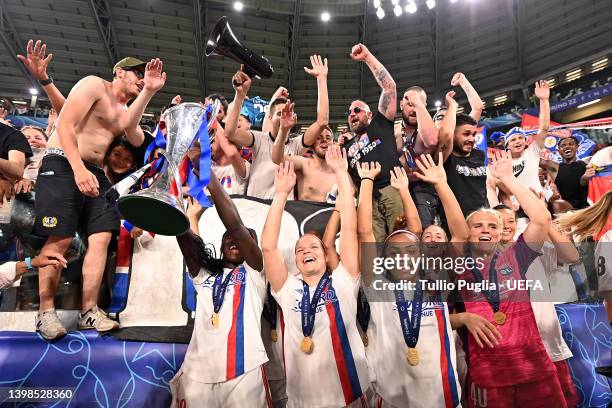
x=129, y=62
x=513, y=132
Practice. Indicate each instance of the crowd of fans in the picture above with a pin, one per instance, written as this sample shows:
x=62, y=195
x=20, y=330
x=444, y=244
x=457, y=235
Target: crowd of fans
x=420, y=187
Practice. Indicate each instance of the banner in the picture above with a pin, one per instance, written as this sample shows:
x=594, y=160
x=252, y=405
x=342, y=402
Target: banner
x=481, y=142
x=568, y=103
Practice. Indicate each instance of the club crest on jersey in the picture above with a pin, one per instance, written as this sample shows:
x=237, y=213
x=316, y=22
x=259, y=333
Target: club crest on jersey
x=328, y=296
x=506, y=270
x=49, y=222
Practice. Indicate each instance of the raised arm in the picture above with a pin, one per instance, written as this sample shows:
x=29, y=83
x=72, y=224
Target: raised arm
x=190, y=243
x=232, y=153
x=435, y=175
x=447, y=127
x=37, y=63
x=542, y=91
x=349, y=246
x=287, y=122
x=566, y=250
x=319, y=71
x=154, y=80
x=239, y=137
x=329, y=238
x=276, y=269
x=387, y=104
x=473, y=98
x=228, y=213
x=368, y=173
x=399, y=181
x=428, y=132
x=539, y=217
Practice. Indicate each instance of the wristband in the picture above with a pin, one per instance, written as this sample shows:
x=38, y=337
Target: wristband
x=367, y=178
x=28, y=263
x=46, y=82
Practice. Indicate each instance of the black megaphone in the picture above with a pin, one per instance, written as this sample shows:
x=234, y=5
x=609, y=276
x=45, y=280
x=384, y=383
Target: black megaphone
x=222, y=41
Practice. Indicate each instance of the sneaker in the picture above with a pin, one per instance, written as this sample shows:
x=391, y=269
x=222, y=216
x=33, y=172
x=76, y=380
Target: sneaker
x=49, y=325
x=95, y=318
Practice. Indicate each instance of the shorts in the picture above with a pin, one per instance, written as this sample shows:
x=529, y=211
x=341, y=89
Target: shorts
x=567, y=384
x=248, y=390
x=426, y=201
x=546, y=393
x=62, y=210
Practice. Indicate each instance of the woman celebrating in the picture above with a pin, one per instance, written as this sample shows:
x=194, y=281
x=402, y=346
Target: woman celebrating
x=324, y=355
x=223, y=365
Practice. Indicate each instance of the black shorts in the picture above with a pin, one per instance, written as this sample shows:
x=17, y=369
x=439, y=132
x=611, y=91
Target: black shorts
x=62, y=210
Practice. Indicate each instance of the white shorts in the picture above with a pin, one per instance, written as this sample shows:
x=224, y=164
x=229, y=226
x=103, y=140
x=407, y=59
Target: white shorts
x=361, y=402
x=278, y=391
x=250, y=389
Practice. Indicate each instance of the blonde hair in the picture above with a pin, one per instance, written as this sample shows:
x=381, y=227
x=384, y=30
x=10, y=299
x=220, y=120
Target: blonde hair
x=494, y=213
x=587, y=222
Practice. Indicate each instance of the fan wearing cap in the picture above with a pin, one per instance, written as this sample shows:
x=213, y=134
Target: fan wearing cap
x=526, y=157
x=71, y=181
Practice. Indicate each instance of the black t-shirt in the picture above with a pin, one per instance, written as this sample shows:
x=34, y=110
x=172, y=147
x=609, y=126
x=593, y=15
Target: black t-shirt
x=467, y=177
x=12, y=139
x=568, y=183
x=377, y=144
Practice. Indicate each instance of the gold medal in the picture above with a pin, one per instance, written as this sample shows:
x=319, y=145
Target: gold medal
x=273, y=335
x=214, y=319
x=499, y=318
x=306, y=345
x=364, y=338
x=412, y=355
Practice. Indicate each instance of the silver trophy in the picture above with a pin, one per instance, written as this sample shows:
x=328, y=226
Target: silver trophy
x=155, y=209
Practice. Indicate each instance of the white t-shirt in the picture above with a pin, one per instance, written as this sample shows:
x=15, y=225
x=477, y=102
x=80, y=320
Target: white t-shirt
x=261, y=183
x=401, y=384
x=526, y=167
x=544, y=309
x=336, y=372
x=229, y=178
x=603, y=261
x=235, y=347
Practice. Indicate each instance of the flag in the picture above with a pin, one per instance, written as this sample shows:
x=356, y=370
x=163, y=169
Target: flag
x=481, y=142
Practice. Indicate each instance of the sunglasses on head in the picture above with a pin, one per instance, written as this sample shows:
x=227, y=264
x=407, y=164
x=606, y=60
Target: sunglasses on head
x=356, y=109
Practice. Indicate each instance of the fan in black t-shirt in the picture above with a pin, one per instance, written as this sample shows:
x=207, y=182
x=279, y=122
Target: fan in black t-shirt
x=14, y=149
x=571, y=175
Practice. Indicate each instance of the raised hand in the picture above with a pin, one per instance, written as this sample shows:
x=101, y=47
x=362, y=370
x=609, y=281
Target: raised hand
x=368, y=170
x=542, y=90
x=241, y=82
x=359, y=52
x=449, y=99
x=154, y=78
x=416, y=98
x=336, y=159
x=194, y=209
x=458, y=79
x=281, y=92
x=501, y=165
x=399, y=178
x=177, y=100
x=284, y=179
x=319, y=67
x=288, y=116
x=430, y=172
x=35, y=60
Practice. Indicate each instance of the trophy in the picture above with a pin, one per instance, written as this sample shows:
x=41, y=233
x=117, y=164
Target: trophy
x=155, y=209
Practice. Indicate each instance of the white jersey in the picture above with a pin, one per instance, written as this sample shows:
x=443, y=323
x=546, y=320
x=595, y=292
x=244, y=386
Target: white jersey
x=335, y=374
x=433, y=382
x=235, y=347
x=543, y=307
x=261, y=182
x=603, y=262
x=526, y=167
x=229, y=179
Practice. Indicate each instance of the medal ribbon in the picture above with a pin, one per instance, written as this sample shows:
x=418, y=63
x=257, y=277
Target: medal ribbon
x=492, y=296
x=363, y=310
x=219, y=288
x=411, y=325
x=270, y=311
x=309, y=308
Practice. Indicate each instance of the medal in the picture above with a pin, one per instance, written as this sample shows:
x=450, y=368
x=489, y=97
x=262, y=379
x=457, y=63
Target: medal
x=218, y=294
x=273, y=335
x=412, y=356
x=306, y=345
x=411, y=325
x=499, y=318
x=364, y=338
x=309, y=311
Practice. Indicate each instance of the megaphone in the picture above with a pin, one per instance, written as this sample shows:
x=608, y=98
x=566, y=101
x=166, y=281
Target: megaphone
x=222, y=41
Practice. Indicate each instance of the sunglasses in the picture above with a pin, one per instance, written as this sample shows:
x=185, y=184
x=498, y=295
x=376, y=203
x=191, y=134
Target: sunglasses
x=356, y=109
x=140, y=74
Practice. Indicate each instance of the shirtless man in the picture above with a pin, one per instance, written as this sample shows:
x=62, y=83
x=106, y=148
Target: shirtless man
x=315, y=179
x=71, y=182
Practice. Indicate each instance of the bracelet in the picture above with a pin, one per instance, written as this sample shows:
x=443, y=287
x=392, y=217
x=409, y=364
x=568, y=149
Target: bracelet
x=367, y=178
x=28, y=262
x=46, y=82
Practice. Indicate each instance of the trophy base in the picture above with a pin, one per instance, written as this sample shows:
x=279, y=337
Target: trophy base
x=153, y=215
